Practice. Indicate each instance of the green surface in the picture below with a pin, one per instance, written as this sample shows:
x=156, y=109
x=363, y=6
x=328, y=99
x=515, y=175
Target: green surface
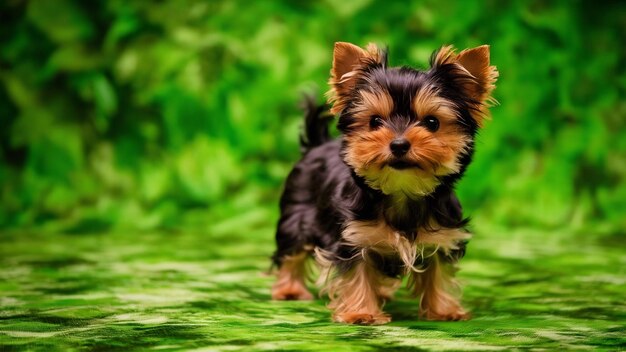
x=171, y=291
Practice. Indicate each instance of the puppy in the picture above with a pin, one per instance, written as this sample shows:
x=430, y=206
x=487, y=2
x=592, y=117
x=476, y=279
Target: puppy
x=378, y=203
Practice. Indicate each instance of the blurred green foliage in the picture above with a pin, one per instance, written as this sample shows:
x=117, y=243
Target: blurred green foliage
x=159, y=114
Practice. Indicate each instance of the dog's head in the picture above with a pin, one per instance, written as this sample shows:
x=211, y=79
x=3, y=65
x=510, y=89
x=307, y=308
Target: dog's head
x=405, y=130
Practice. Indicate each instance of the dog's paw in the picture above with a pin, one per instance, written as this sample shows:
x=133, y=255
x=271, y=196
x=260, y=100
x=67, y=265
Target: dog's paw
x=386, y=293
x=293, y=292
x=362, y=318
x=452, y=315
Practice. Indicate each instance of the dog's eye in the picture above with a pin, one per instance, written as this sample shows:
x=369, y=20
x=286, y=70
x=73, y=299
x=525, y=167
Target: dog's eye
x=431, y=123
x=375, y=122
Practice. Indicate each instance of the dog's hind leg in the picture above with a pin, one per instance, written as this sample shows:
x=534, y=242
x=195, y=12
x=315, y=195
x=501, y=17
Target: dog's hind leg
x=292, y=274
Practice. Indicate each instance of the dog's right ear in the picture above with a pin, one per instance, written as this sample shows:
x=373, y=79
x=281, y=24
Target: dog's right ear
x=348, y=60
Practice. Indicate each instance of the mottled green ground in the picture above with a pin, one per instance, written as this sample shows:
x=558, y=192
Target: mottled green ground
x=198, y=291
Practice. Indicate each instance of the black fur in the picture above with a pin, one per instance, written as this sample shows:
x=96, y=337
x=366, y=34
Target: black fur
x=322, y=193
x=316, y=121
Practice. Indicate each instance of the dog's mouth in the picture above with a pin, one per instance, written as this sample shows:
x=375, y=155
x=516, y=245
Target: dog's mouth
x=400, y=164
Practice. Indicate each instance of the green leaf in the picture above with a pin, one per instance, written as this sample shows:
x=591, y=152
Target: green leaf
x=62, y=20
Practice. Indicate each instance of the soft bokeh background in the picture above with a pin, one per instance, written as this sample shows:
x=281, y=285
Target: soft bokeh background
x=165, y=114
x=126, y=125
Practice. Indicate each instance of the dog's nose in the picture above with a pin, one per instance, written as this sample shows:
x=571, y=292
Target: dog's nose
x=399, y=146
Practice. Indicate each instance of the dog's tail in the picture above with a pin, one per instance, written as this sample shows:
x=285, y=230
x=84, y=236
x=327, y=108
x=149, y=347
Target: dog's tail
x=316, y=120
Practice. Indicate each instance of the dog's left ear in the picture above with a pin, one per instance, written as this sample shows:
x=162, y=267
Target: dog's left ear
x=471, y=70
x=348, y=62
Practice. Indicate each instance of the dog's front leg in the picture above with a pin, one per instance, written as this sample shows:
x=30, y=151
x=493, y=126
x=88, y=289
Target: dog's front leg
x=438, y=291
x=356, y=295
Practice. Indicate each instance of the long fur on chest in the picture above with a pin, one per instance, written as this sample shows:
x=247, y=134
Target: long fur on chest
x=376, y=239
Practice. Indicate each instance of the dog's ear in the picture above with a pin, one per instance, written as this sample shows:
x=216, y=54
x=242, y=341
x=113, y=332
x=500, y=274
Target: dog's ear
x=471, y=70
x=476, y=62
x=348, y=62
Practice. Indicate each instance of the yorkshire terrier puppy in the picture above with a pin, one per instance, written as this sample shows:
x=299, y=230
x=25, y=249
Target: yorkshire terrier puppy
x=378, y=202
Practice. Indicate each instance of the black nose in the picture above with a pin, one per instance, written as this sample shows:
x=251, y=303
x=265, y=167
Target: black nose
x=399, y=146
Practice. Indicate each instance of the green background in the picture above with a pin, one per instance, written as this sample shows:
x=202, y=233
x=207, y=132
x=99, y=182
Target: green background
x=143, y=146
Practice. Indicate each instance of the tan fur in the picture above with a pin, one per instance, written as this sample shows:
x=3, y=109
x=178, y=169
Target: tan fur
x=428, y=102
x=445, y=55
x=380, y=237
x=365, y=148
x=476, y=62
x=291, y=277
x=357, y=296
x=347, y=58
x=438, y=292
x=379, y=103
x=436, y=153
x=368, y=152
x=368, y=148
